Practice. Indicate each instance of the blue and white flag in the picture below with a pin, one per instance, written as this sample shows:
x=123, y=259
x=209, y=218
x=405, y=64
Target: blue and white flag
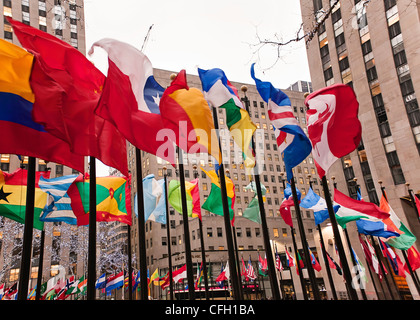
x=154, y=199
x=314, y=202
x=375, y=228
x=58, y=207
x=101, y=282
x=291, y=140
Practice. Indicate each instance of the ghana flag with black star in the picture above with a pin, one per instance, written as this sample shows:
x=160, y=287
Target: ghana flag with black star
x=113, y=200
x=13, y=196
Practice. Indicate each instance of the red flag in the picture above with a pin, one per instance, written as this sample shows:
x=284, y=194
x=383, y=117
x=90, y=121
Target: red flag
x=413, y=257
x=285, y=211
x=67, y=89
x=333, y=126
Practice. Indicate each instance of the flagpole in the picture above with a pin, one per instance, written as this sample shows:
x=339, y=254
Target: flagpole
x=25, y=266
x=411, y=193
x=188, y=258
x=40, y=266
x=142, y=234
x=168, y=235
x=292, y=231
x=203, y=249
x=266, y=237
x=327, y=264
x=226, y=217
x=340, y=248
x=91, y=277
x=311, y=272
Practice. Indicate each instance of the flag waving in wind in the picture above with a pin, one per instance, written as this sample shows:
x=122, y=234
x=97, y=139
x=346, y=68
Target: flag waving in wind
x=292, y=141
x=333, y=126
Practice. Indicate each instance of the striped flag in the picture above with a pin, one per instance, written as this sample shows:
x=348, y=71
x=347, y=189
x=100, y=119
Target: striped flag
x=292, y=142
x=250, y=272
x=58, y=207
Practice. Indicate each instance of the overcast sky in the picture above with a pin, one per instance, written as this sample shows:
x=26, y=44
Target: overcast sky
x=187, y=34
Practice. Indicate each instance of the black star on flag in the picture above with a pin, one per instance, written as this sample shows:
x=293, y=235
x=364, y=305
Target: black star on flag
x=4, y=195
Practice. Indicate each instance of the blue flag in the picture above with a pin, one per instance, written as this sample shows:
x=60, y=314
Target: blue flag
x=375, y=228
x=318, y=205
x=291, y=140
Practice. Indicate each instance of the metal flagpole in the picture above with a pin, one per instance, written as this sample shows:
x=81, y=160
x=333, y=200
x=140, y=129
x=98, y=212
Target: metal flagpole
x=295, y=248
x=307, y=257
x=25, y=266
x=327, y=264
x=266, y=236
x=345, y=266
x=91, y=277
x=141, y=230
x=203, y=249
x=188, y=258
x=226, y=217
x=168, y=234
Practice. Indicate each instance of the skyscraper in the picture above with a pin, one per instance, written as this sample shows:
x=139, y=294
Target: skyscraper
x=371, y=46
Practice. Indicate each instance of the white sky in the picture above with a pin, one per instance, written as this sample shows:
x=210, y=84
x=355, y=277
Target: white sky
x=187, y=34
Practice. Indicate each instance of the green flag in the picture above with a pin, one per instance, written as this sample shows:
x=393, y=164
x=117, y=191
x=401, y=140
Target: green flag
x=252, y=212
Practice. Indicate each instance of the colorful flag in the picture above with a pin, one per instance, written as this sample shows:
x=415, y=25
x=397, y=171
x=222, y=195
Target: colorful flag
x=115, y=281
x=293, y=143
x=252, y=212
x=67, y=89
x=101, y=282
x=131, y=96
x=314, y=202
x=413, y=257
x=417, y=203
x=179, y=274
x=279, y=266
x=375, y=228
x=214, y=202
x=262, y=265
x=20, y=133
x=58, y=207
x=289, y=259
x=352, y=209
x=165, y=281
x=13, y=196
x=393, y=258
x=199, y=277
x=225, y=274
x=1, y=290
x=370, y=256
x=333, y=264
x=250, y=272
x=314, y=261
x=154, y=199
x=187, y=115
x=154, y=276
x=113, y=199
x=220, y=93
x=193, y=197
x=333, y=126
x=406, y=238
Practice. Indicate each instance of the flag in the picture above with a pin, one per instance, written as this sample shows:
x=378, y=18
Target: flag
x=352, y=209
x=375, y=228
x=113, y=199
x=314, y=261
x=20, y=133
x=413, y=257
x=289, y=259
x=222, y=282
x=11, y=292
x=101, y=282
x=287, y=203
x=81, y=285
x=252, y=212
x=406, y=238
x=333, y=264
x=67, y=89
x=154, y=276
x=361, y=269
x=214, y=201
x=225, y=274
x=417, y=200
x=243, y=270
x=250, y=272
x=115, y=281
x=193, y=197
x=262, y=266
x=1, y=290
x=187, y=115
x=179, y=274
x=370, y=256
x=314, y=202
x=165, y=281
x=154, y=199
x=333, y=126
x=58, y=207
x=220, y=93
x=131, y=96
x=199, y=277
x=13, y=196
x=293, y=143
x=300, y=262
x=279, y=266
x=393, y=258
